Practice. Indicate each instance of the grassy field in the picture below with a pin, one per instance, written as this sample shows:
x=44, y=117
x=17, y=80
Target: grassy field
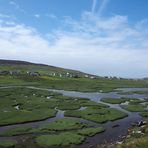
x=7, y=143
x=133, y=92
x=121, y=100
x=76, y=84
x=96, y=114
x=20, y=105
x=59, y=125
x=60, y=78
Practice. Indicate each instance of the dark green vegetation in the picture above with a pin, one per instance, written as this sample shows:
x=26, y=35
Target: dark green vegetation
x=54, y=132
x=134, y=108
x=130, y=104
x=144, y=114
x=133, y=92
x=20, y=73
x=20, y=130
x=90, y=131
x=136, y=105
x=62, y=139
x=115, y=100
x=63, y=124
x=131, y=101
x=67, y=138
x=19, y=105
x=75, y=84
x=7, y=143
x=136, y=138
x=97, y=114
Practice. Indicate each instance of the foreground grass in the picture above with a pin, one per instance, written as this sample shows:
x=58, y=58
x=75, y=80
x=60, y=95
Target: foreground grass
x=95, y=114
x=144, y=114
x=7, y=143
x=63, y=124
x=90, y=131
x=67, y=138
x=62, y=132
x=62, y=139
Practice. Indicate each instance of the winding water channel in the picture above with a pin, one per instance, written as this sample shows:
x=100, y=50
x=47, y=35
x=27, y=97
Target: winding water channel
x=111, y=134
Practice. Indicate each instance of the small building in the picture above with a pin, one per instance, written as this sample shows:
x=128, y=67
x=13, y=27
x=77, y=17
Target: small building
x=34, y=74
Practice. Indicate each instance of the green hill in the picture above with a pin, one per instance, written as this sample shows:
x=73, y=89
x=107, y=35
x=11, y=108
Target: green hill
x=14, y=67
x=21, y=73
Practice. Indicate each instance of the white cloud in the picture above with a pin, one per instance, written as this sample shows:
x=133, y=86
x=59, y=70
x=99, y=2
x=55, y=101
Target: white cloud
x=37, y=15
x=104, y=46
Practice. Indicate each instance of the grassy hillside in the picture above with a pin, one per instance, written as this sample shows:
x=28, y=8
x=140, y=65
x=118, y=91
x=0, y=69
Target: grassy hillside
x=23, y=67
x=22, y=73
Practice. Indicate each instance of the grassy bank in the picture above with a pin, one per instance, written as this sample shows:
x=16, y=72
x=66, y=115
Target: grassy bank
x=75, y=84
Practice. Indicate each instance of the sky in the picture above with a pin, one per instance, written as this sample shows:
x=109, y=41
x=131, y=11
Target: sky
x=102, y=37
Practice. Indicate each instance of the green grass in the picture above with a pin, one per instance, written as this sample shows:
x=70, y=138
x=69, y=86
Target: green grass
x=76, y=84
x=7, y=143
x=122, y=100
x=33, y=105
x=136, y=101
x=89, y=103
x=134, y=108
x=62, y=125
x=23, y=116
x=17, y=131
x=62, y=139
x=90, y=131
x=133, y=92
x=144, y=114
x=99, y=115
x=115, y=100
x=67, y=138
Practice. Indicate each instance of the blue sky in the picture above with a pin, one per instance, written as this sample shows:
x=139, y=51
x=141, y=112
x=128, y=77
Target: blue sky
x=104, y=37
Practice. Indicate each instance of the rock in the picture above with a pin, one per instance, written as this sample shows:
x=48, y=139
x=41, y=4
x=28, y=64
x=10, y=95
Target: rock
x=128, y=136
x=139, y=132
x=119, y=142
x=140, y=123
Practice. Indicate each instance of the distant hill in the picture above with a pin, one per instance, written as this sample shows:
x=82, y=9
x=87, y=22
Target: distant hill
x=16, y=62
x=24, y=67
